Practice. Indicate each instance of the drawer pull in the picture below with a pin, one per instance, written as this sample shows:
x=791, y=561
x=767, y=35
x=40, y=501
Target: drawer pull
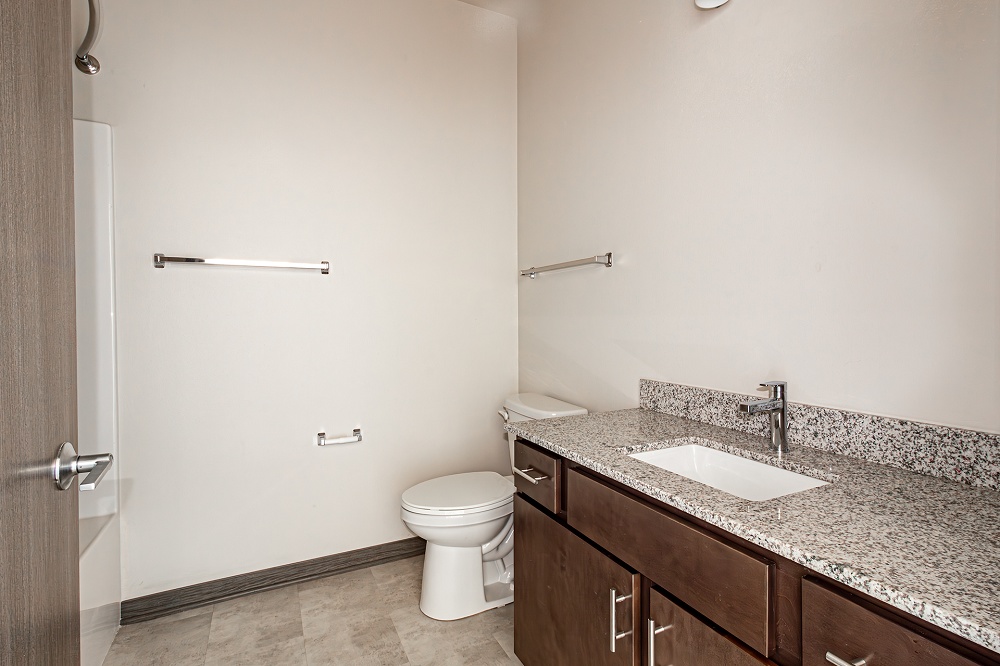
x=652, y=633
x=834, y=659
x=615, y=600
x=524, y=474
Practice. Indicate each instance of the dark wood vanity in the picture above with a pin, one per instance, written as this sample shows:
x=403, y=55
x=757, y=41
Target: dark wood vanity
x=606, y=575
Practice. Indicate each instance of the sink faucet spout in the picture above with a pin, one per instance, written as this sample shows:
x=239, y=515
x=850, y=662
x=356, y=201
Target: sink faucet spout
x=758, y=406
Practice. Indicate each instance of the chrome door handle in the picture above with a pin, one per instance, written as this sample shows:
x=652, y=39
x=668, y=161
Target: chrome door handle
x=523, y=473
x=653, y=632
x=615, y=600
x=67, y=465
x=834, y=659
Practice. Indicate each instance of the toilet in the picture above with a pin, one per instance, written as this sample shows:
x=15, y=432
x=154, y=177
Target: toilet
x=468, y=523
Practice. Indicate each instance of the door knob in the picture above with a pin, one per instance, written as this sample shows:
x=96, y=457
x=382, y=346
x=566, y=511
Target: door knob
x=67, y=465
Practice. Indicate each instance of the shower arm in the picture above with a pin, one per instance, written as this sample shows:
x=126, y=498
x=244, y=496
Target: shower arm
x=85, y=62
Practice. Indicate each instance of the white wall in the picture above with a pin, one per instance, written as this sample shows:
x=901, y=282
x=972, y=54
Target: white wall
x=377, y=134
x=795, y=190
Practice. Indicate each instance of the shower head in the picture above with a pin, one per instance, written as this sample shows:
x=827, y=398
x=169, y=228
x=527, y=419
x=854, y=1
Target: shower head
x=85, y=62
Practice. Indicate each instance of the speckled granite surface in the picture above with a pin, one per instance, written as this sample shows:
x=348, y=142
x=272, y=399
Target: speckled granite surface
x=962, y=455
x=926, y=545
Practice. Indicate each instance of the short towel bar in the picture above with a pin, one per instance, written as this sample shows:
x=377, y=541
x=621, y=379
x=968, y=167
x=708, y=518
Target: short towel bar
x=603, y=259
x=321, y=439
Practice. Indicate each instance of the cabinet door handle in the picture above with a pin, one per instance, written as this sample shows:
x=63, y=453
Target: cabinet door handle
x=652, y=633
x=524, y=473
x=615, y=600
x=834, y=659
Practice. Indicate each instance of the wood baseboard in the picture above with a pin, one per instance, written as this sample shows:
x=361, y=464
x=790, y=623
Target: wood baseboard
x=157, y=605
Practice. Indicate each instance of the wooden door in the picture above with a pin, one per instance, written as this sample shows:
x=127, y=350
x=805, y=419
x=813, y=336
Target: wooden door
x=562, y=602
x=39, y=548
x=681, y=639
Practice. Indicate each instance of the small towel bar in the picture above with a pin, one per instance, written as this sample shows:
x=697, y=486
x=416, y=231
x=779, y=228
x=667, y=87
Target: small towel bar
x=603, y=259
x=321, y=439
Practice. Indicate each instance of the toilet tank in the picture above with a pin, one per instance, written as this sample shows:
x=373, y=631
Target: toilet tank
x=531, y=406
x=528, y=406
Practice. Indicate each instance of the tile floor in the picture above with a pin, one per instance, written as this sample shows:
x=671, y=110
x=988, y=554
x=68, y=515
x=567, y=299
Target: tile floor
x=369, y=617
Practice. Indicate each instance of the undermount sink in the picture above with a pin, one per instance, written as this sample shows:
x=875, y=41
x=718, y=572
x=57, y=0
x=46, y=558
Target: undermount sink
x=749, y=479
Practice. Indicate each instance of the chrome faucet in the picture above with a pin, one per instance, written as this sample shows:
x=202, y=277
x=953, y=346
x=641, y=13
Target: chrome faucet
x=775, y=407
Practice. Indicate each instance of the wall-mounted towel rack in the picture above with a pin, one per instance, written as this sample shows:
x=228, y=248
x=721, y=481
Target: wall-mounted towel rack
x=321, y=439
x=161, y=260
x=603, y=259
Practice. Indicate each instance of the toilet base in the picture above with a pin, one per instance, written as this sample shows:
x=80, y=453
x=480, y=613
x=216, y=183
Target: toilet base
x=457, y=583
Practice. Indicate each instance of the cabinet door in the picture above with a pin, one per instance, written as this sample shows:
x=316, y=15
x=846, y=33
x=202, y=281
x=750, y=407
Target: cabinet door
x=674, y=637
x=563, y=609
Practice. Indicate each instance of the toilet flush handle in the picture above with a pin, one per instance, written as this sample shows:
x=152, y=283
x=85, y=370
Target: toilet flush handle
x=503, y=414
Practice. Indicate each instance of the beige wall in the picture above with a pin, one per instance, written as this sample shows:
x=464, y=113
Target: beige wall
x=377, y=134
x=796, y=190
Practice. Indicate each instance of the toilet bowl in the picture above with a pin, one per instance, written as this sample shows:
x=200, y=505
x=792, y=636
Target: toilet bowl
x=468, y=523
x=458, y=516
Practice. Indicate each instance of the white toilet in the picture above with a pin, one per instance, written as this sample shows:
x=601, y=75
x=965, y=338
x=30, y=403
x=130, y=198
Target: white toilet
x=467, y=520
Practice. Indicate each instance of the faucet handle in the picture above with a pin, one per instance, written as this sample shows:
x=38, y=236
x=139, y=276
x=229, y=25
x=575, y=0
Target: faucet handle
x=777, y=388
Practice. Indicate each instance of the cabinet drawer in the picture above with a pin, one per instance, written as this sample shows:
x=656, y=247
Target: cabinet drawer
x=728, y=585
x=833, y=623
x=546, y=470
x=681, y=639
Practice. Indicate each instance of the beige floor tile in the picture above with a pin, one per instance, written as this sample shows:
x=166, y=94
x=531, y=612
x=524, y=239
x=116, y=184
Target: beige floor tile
x=498, y=619
x=345, y=622
x=178, y=643
x=428, y=641
x=367, y=639
x=483, y=653
x=506, y=641
x=393, y=572
x=399, y=583
x=255, y=622
x=326, y=600
x=286, y=653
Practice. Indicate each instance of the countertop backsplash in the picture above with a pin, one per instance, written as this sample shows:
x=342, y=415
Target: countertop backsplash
x=968, y=456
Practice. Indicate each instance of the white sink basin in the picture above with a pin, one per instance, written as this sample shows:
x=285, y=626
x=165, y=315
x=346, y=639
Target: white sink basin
x=738, y=476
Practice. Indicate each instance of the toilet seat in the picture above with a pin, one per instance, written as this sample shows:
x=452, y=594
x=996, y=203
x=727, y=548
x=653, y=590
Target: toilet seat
x=460, y=495
x=451, y=519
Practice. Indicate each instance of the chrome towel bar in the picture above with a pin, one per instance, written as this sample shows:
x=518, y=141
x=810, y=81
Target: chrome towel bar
x=603, y=259
x=161, y=260
x=321, y=439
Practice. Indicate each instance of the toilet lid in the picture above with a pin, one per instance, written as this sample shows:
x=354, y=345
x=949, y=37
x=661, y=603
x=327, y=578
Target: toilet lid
x=458, y=492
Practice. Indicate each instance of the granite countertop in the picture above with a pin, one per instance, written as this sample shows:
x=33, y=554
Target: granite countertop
x=926, y=545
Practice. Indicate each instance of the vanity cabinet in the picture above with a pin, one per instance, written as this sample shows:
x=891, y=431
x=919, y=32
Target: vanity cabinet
x=606, y=575
x=573, y=602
